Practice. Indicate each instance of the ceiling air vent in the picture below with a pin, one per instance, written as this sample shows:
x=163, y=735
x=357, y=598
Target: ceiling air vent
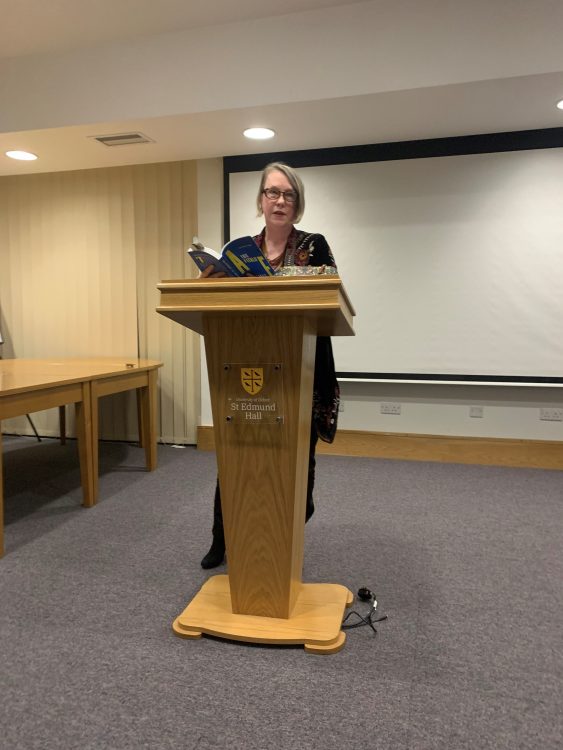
x=122, y=139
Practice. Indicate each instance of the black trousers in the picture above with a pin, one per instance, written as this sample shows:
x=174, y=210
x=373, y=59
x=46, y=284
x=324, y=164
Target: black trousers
x=218, y=530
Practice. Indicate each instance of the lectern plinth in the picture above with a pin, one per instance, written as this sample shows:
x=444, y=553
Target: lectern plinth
x=260, y=337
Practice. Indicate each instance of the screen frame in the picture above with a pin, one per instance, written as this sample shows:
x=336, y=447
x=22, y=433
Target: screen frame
x=415, y=149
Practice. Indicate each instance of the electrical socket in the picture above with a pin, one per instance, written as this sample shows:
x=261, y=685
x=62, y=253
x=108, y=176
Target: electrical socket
x=552, y=414
x=387, y=408
x=475, y=411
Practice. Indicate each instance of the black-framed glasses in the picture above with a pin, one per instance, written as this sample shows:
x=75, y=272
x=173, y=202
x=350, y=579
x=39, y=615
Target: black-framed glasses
x=273, y=194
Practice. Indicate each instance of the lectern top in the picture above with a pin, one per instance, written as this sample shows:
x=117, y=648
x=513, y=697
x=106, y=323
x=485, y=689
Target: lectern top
x=321, y=298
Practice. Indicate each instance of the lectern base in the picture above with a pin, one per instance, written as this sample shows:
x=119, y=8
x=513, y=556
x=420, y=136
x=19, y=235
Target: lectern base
x=314, y=622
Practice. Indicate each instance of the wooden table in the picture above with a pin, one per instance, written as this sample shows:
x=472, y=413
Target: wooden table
x=29, y=385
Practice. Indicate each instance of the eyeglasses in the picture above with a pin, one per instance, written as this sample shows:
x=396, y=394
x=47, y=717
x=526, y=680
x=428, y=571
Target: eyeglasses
x=273, y=194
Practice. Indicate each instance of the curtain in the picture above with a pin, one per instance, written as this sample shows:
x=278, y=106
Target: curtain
x=81, y=254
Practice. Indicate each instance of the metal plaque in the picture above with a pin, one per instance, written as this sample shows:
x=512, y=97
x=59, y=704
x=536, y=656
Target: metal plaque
x=254, y=393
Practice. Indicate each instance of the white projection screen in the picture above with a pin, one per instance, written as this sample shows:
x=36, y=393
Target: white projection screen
x=454, y=264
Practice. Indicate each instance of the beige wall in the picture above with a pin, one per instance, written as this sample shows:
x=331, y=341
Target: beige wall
x=81, y=254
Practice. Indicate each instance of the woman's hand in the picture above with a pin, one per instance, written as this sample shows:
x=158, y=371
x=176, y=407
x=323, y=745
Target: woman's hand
x=211, y=272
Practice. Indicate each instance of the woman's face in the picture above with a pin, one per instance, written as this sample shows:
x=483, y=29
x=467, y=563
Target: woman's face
x=278, y=213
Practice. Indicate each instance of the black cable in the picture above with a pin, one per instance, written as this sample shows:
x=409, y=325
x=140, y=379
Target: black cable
x=369, y=619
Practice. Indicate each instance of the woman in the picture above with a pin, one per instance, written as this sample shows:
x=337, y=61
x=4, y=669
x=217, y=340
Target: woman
x=281, y=200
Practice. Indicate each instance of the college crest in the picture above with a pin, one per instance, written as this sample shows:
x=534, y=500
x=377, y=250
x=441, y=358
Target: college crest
x=252, y=379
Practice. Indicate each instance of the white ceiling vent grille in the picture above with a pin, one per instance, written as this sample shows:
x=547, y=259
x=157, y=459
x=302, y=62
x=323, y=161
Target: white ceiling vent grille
x=122, y=139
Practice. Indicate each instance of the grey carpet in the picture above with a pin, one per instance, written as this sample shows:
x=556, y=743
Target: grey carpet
x=466, y=561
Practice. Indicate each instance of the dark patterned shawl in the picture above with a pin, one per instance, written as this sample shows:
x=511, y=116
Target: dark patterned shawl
x=307, y=249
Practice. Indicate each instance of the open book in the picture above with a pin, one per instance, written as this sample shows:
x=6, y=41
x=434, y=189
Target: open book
x=238, y=257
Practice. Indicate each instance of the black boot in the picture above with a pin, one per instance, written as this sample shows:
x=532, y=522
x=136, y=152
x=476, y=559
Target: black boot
x=216, y=554
x=310, y=505
x=309, y=508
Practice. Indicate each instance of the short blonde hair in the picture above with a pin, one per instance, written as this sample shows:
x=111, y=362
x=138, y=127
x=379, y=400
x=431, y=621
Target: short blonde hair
x=295, y=182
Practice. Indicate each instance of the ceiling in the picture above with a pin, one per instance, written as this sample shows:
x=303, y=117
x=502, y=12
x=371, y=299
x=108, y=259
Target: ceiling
x=31, y=27
x=347, y=107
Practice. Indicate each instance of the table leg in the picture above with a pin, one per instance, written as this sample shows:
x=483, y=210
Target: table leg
x=140, y=425
x=62, y=424
x=84, y=432
x=148, y=420
x=95, y=417
x=1, y=498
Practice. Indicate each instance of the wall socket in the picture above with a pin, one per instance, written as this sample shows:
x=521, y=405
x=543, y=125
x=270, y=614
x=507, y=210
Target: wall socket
x=387, y=408
x=552, y=414
x=475, y=411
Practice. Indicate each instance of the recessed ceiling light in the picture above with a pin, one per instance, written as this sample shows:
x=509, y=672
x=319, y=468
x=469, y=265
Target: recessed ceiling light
x=259, y=134
x=560, y=104
x=21, y=155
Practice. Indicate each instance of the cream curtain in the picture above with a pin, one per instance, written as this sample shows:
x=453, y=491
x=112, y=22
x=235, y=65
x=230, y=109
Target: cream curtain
x=81, y=254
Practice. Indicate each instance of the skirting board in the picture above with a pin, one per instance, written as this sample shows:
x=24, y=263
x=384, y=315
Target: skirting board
x=531, y=454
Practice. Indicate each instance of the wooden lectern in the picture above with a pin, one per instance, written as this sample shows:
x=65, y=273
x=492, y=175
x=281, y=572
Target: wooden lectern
x=260, y=338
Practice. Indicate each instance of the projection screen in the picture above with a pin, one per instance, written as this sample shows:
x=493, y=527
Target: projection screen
x=454, y=264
